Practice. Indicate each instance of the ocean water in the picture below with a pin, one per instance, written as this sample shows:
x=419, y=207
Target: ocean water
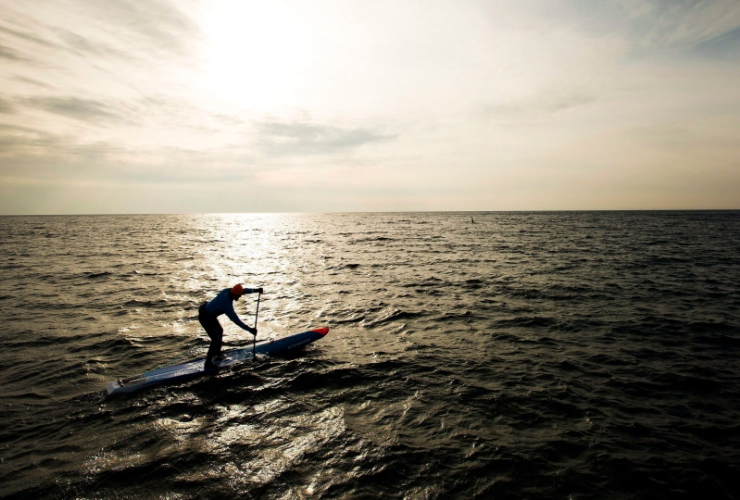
x=471, y=355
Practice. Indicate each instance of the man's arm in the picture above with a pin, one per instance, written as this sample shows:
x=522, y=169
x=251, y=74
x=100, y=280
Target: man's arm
x=233, y=317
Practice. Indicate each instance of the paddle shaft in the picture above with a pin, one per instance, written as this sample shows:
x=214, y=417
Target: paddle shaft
x=254, y=338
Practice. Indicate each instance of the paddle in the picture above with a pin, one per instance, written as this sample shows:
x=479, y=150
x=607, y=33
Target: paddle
x=254, y=338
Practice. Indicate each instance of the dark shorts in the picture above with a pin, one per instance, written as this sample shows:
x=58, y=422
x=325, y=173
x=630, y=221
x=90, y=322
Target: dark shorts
x=213, y=328
x=209, y=322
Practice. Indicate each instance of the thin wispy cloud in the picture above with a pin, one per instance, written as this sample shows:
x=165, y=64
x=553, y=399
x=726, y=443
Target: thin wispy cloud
x=23, y=31
x=9, y=54
x=681, y=24
x=537, y=105
x=6, y=107
x=723, y=47
x=74, y=107
x=310, y=139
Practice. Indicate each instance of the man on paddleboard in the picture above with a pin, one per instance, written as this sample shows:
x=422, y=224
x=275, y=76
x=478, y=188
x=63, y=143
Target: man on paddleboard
x=209, y=312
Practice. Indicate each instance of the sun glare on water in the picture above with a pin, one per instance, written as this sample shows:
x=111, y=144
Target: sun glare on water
x=255, y=53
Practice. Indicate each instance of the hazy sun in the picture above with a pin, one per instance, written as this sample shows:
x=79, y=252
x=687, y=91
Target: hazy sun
x=255, y=53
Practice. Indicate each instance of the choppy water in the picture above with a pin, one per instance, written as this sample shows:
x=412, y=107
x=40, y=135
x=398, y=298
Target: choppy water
x=525, y=355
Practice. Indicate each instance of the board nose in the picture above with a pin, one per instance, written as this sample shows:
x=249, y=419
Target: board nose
x=321, y=331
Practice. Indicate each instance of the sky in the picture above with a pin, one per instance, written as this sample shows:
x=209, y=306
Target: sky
x=188, y=106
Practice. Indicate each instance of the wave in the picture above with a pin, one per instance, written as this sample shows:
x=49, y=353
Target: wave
x=390, y=316
x=101, y=274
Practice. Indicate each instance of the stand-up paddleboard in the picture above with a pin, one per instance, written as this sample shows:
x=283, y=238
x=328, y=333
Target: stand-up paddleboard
x=193, y=369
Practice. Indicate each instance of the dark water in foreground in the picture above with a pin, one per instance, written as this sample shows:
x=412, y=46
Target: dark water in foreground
x=526, y=355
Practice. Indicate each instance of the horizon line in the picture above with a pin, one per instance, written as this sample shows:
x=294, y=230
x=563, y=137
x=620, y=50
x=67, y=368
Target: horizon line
x=123, y=214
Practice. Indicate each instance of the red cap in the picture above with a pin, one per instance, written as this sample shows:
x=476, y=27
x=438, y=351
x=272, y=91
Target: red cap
x=237, y=290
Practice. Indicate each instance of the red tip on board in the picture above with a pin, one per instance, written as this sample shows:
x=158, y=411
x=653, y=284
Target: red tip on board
x=321, y=331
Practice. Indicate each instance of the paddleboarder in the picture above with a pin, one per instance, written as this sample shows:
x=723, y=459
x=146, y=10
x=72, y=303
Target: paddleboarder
x=209, y=312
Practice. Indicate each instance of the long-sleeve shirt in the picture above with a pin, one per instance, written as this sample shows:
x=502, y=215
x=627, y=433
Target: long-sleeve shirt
x=223, y=304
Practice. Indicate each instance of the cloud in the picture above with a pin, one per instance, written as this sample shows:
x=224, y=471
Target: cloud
x=74, y=107
x=689, y=28
x=536, y=105
x=277, y=138
x=23, y=33
x=35, y=84
x=669, y=137
x=159, y=26
x=10, y=54
x=724, y=46
x=21, y=45
x=87, y=46
x=22, y=147
x=6, y=107
x=17, y=141
x=34, y=156
x=651, y=28
x=678, y=23
x=136, y=31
